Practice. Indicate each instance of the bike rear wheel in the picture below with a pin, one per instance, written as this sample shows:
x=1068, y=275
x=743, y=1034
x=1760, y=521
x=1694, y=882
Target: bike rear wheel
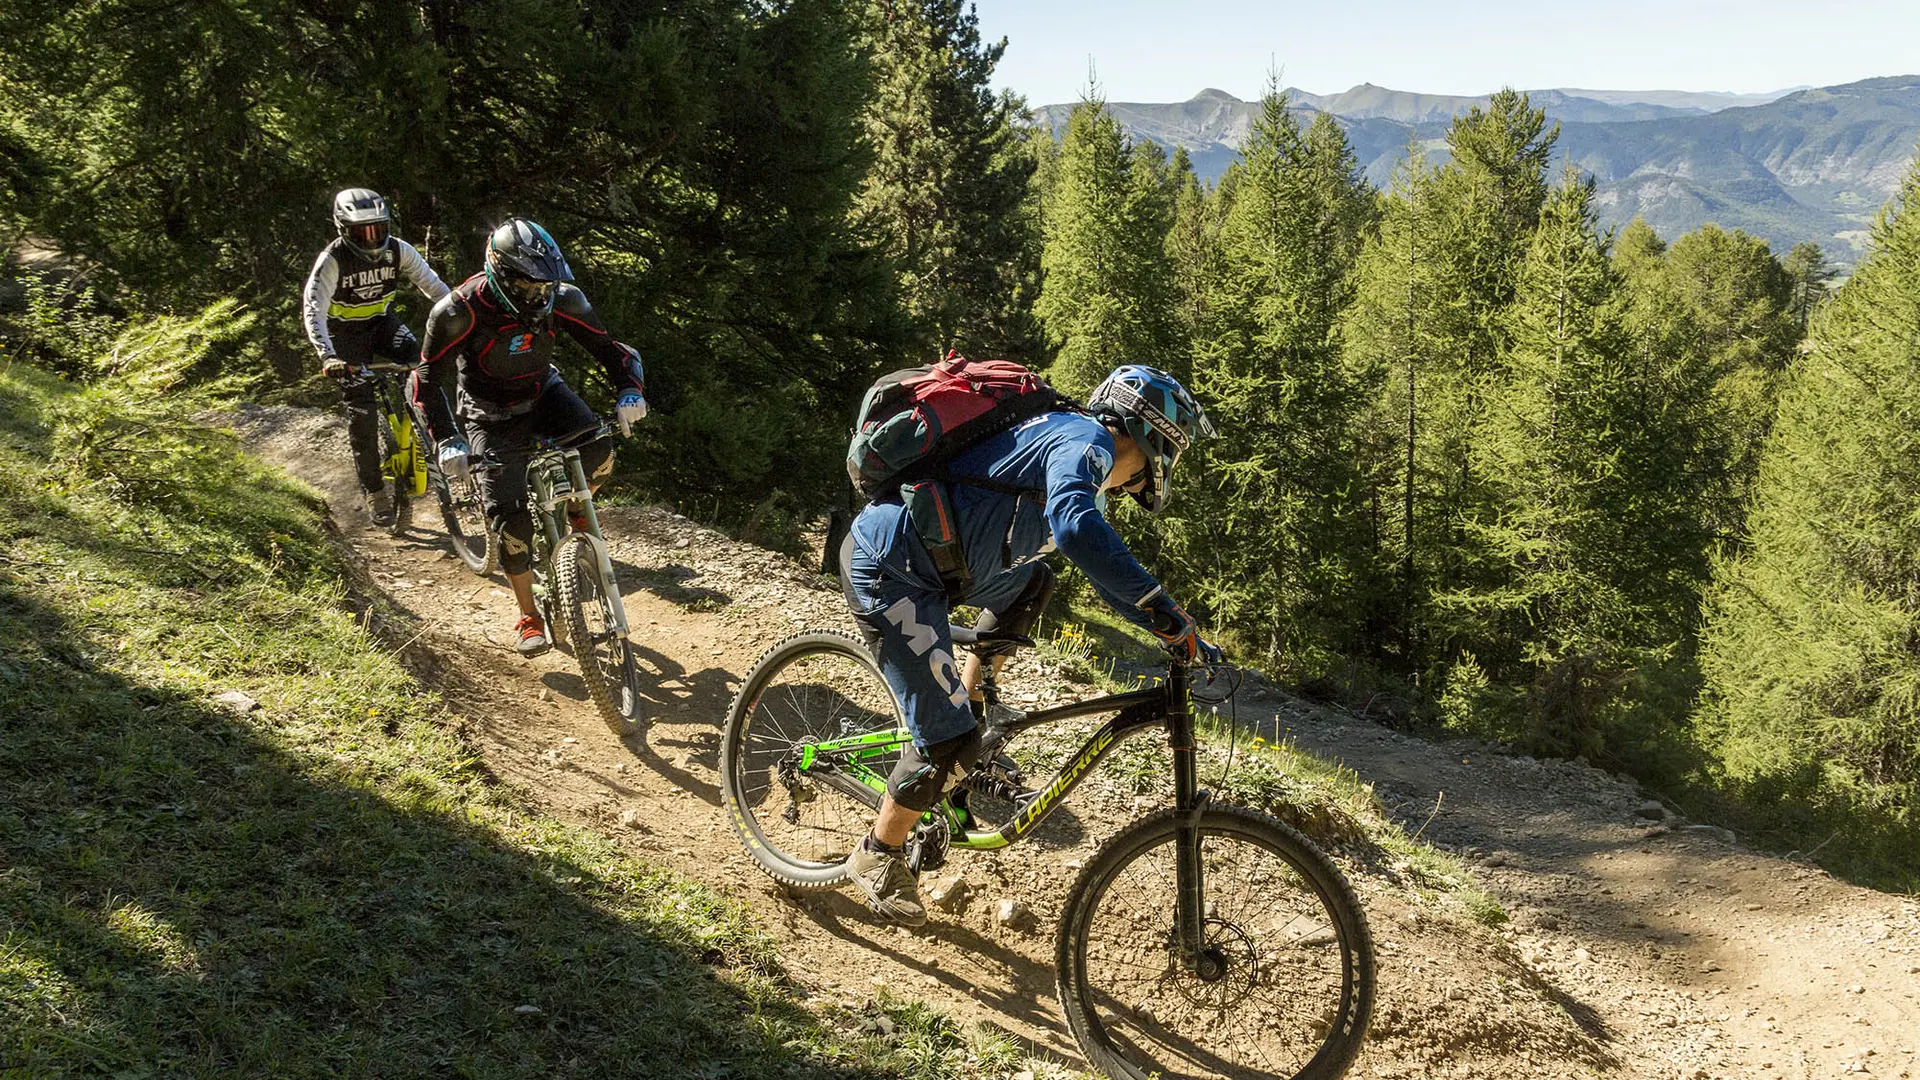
x=1286, y=986
x=465, y=520
x=584, y=603
x=798, y=823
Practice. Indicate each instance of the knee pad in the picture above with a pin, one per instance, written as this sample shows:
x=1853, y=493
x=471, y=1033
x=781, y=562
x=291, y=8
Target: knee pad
x=920, y=778
x=514, y=530
x=596, y=460
x=1019, y=616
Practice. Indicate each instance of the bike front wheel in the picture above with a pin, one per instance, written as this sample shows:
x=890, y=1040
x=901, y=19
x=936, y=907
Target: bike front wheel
x=800, y=811
x=465, y=520
x=584, y=599
x=1284, y=983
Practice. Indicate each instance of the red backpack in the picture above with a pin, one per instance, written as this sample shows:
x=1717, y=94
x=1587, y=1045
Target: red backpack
x=912, y=423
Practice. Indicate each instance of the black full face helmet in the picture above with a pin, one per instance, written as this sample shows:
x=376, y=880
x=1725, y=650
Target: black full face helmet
x=362, y=218
x=525, y=268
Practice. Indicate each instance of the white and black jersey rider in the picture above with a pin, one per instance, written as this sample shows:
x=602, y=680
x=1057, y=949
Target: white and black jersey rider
x=347, y=306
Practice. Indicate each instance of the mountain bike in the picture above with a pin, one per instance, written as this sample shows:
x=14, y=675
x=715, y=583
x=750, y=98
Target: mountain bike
x=1202, y=940
x=573, y=581
x=403, y=459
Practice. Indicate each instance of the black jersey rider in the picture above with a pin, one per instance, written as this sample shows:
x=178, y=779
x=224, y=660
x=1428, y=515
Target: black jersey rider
x=347, y=305
x=494, y=334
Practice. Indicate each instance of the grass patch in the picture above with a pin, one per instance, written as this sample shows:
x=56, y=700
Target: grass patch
x=317, y=878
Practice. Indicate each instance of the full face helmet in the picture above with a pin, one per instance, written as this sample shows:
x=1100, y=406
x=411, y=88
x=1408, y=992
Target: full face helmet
x=362, y=219
x=1152, y=407
x=525, y=268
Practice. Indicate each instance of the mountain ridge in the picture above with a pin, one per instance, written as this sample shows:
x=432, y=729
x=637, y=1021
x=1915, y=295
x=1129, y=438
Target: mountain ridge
x=1813, y=163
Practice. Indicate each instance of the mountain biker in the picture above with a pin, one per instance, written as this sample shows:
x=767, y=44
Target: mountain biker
x=347, y=304
x=495, y=333
x=1045, y=483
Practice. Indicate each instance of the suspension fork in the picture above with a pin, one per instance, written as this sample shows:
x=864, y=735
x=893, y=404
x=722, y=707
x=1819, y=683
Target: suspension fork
x=583, y=495
x=1191, y=802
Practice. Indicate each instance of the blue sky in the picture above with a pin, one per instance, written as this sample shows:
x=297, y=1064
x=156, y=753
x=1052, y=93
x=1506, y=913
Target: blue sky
x=1168, y=50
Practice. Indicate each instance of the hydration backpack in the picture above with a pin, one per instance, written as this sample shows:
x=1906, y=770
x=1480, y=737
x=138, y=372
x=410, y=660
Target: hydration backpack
x=912, y=423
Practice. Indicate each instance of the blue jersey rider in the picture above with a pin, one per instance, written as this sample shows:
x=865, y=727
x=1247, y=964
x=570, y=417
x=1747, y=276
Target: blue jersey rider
x=1138, y=421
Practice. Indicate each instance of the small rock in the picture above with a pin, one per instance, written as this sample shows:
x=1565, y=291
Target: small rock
x=546, y=693
x=1652, y=808
x=1657, y=830
x=569, y=739
x=1496, y=858
x=1583, y=956
x=236, y=702
x=883, y=1023
x=1711, y=832
x=527, y=1010
x=632, y=820
x=1454, y=993
x=1755, y=907
x=682, y=542
x=1856, y=989
x=950, y=893
x=1709, y=967
x=1010, y=912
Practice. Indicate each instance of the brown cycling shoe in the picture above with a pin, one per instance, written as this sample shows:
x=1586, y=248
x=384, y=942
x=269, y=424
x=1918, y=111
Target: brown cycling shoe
x=533, y=636
x=891, y=890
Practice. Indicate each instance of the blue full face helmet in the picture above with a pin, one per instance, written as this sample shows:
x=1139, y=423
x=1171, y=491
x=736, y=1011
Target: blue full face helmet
x=525, y=268
x=1152, y=407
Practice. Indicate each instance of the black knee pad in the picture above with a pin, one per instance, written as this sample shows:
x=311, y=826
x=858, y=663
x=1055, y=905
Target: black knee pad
x=1019, y=616
x=920, y=778
x=596, y=460
x=515, y=532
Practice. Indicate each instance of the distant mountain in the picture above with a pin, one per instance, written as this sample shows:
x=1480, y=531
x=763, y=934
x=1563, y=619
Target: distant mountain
x=1813, y=164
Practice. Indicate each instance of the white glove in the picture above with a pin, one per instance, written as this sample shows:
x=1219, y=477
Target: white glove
x=629, y=408
x=456, y=462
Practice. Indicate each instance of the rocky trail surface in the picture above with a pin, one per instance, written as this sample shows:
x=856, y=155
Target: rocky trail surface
x=1638, y=946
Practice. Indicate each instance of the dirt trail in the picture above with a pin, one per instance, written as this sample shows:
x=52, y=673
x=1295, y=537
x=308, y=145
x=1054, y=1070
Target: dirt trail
x=1637, y=948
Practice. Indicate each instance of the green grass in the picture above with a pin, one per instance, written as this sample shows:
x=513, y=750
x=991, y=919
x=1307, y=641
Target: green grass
x=328, y=884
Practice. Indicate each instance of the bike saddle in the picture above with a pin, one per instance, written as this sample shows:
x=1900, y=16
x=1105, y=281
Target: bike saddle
x=967, y=635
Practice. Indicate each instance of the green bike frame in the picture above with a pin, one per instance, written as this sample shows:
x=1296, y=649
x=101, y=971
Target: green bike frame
x=848, y=764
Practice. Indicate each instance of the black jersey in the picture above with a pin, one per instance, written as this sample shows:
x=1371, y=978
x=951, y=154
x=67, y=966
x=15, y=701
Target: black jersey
x=501, y=363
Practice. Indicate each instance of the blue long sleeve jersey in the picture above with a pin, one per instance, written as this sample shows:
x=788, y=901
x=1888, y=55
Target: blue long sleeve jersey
x=1063, y=457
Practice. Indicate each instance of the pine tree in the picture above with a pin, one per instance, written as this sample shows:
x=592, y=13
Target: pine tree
x=1272, y=537
x=1808, y=651
x=1389, y=338
x=1594, y=453
x=946, y=194
x=1106, y=297
x=1811, y=281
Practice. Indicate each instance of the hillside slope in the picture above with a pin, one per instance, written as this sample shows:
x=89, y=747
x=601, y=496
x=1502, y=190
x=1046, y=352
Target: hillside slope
x=1637, y=948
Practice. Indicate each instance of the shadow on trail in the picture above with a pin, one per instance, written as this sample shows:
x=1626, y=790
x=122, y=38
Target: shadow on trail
x=184, y=895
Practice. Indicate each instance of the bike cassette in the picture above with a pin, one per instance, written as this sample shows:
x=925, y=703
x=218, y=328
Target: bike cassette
x=788, y=770
x=927, y=844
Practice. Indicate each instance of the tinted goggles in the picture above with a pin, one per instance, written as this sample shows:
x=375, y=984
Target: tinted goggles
x=528, y=293
x=368, y=235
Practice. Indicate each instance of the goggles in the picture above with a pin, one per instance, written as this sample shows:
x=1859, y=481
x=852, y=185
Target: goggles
x=368, y=235
x=528, y=293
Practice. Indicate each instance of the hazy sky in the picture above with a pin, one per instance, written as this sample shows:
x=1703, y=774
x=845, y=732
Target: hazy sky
x=1168, y=50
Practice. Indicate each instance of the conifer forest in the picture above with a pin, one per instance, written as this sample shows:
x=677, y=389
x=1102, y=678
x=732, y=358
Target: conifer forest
x=1483, y=467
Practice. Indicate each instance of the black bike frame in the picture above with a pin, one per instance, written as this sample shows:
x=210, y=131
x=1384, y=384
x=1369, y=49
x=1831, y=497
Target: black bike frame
x=1165, y=705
